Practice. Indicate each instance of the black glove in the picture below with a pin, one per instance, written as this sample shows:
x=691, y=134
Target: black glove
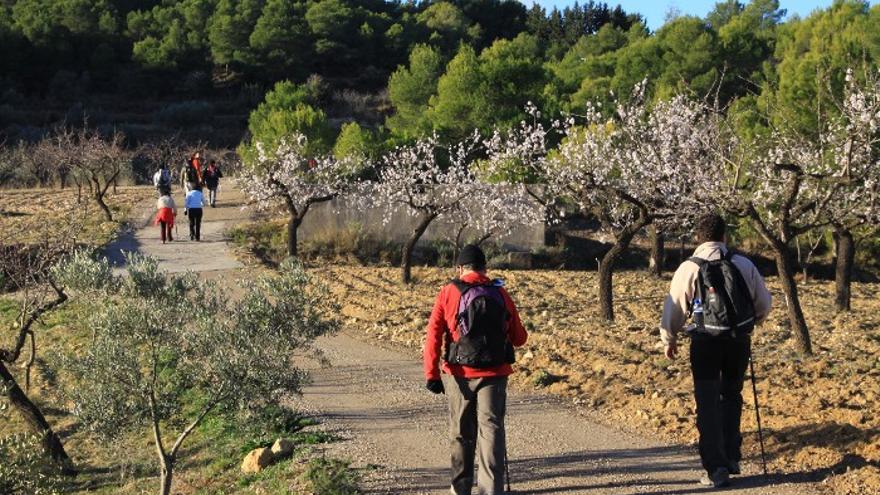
x=435, y=386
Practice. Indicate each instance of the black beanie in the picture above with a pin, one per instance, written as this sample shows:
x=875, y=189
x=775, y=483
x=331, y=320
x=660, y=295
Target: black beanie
x=471, y=255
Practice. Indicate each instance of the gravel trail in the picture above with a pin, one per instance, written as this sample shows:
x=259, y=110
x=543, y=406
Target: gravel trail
x=395, y=431
x=211, y=254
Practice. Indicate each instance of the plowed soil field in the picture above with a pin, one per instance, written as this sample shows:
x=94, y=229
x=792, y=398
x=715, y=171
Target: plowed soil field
x=819, y=413
x=31, y=215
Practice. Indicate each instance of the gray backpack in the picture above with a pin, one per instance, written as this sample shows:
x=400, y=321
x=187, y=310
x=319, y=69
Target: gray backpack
x=722, y=298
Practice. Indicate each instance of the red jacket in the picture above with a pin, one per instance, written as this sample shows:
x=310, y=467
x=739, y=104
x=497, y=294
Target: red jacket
x=443, y=324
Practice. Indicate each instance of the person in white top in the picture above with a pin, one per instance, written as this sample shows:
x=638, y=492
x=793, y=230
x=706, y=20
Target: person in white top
x=166, y=211
x=725, y=297
x=194, y=206
x=162, y=179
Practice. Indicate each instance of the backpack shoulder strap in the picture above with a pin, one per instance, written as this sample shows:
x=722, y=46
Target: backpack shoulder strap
x=699, y=261
x=740, y=279
x=461, y=285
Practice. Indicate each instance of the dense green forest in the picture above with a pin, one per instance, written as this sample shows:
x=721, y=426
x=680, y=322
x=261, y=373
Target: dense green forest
x=404, y=69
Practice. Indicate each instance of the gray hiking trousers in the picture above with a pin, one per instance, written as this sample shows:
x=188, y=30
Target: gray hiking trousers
x=476, y=429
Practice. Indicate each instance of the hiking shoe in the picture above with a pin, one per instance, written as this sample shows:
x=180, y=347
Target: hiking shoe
x=721, y=477
x=734, y=468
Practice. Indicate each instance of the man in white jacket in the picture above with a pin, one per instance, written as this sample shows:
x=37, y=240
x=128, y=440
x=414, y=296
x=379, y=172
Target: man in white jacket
x=725, y=296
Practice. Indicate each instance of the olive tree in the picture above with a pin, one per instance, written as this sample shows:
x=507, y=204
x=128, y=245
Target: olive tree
x=24, y=469
x=168, y=350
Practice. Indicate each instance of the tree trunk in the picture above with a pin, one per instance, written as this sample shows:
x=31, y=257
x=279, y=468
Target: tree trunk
x=406, y=261
x=845, y=254
x=292, y=229
x=99, y=198
x=658, y=252
x=606, y=274
x=789, y=287
x=36, y=421
x=681, y=252
x=166, y=476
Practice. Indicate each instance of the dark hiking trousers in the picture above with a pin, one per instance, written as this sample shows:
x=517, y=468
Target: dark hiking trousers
x=719, y=365
x=476, y=429
x=195, y=223
x=165, y=231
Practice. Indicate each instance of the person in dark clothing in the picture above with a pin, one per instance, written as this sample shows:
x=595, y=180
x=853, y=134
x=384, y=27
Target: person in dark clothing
x=720, y=345
x=194, y=204
x=212, y=181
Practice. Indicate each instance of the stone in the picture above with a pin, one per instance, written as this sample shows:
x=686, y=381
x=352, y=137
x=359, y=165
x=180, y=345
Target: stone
x=282, y=447
x=257, y=460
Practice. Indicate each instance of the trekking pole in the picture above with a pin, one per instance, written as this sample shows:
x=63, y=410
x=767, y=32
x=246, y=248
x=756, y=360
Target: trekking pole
x=506, y=468
x=758, y=415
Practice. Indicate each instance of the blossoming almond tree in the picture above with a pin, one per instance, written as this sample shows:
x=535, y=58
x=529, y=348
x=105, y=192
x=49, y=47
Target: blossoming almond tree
x=787, y=183
x=289, y=175
x=850, y=140
x=630, y=170
x=426, y=180
x=778, y=185
x=496, y=209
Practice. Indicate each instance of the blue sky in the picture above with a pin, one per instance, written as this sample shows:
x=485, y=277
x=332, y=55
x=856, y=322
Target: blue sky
x=655, y=11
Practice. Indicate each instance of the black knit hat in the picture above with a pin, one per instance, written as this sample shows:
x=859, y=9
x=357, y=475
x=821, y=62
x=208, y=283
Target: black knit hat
x=471, y=255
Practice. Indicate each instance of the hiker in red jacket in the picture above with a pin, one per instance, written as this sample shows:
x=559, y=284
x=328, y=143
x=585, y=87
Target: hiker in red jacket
x=166, y=211
x=475, y=321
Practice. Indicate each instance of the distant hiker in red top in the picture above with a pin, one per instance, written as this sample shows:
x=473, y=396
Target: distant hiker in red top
x=165, y=216
x=475, y=321
x=191, y=176
x=196, y=161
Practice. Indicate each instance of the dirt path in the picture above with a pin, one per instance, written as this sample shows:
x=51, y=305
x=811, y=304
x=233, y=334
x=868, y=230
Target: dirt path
x=211, y=254
x=395, y=431
x=374, y=398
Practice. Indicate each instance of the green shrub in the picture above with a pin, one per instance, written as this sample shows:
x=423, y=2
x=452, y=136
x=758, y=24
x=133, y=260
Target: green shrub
x=543, y=378
x=24, y=467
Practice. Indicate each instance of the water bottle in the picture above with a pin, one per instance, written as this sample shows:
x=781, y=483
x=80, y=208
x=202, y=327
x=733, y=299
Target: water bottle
x=698, y=314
